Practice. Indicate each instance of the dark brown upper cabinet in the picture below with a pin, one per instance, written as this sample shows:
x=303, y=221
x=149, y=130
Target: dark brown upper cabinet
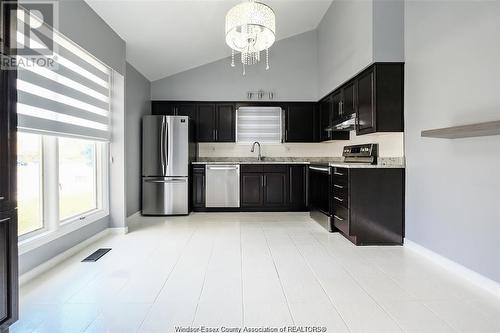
x=325, y=118
x=380, y=102
x=164, y=108
x=206, y=123
x=348, y=105
x=225, y=123
x=336, y=105
x=300, y=122
x=216, y=122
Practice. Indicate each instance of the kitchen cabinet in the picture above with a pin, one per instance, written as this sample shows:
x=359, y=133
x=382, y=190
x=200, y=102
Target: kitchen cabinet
x=329, y=108
x=251, y=190
x=336, y=106
x=205, y=127
x=368, y=204
x=325, y=115
x=300, y=122
x=297, y=187
x=198, y=186
x=348, y=105
x=225, y=124
x=9, y=292
x=216, y=123
x=273, y=187
x=379, y=95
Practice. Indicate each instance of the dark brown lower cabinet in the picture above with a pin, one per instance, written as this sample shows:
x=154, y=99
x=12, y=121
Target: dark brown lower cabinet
x=297, y=187
x=273, y=187
x=368, y=205
x=263, y=187
x=198, y=186
x=251, y=194
x=9, y=292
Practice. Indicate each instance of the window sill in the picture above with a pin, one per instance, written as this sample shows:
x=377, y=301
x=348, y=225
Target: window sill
x=43, y=238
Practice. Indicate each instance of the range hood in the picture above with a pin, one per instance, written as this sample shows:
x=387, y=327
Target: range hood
x=346, y=123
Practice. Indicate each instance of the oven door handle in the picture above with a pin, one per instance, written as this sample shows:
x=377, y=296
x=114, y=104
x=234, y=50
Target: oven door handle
x=320, y=169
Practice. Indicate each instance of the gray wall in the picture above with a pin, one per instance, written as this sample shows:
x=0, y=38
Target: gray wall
x=137, y=104
x=292, y=76
x=345, y=42
x=81, y=24
x=354, y=34
x=452, y=78
x=30, y=260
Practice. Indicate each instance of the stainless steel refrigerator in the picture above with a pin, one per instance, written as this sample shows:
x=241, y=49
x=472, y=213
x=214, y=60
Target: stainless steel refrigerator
x=166, y=153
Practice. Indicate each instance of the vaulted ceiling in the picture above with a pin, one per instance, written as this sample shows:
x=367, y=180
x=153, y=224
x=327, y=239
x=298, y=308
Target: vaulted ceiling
x=165, y=37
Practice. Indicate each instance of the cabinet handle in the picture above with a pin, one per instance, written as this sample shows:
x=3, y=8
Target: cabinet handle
x=338, y=199
x=338, y=186
x=262, y=181
x=338, y=218
x=2, y=198
x=338, y=173
x=5, y=220
x=286, y=135
x=265, y=181
x=216, y=135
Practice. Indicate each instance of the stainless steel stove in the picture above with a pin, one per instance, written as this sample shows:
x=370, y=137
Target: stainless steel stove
x=365, y=153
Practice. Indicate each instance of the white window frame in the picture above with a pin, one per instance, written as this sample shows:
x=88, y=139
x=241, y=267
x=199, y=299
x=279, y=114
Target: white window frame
x=282, y=114
x=53, y=227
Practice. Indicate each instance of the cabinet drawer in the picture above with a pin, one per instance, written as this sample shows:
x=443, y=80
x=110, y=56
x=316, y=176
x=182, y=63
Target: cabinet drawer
x=341, y=212
x=341, y=224
x=340, y=197
x=251, y=168
x=275, y=168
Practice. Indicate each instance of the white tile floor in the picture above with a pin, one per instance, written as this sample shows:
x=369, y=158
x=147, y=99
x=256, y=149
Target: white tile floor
x=252, y=269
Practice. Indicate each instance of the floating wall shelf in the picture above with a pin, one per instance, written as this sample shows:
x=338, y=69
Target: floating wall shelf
x=465, y=131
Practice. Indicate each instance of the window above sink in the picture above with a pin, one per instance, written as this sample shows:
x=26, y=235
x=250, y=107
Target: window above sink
x=262, y=124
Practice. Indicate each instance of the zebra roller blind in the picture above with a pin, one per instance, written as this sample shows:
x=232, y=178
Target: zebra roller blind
x=69, y=98
x=261, y=124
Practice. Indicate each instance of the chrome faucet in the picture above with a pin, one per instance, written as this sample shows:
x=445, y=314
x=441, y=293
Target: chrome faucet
x=259, y=157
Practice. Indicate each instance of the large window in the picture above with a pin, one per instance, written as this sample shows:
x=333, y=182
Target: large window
x=60, y=181
x=77, y=177
x=63, y=113
x=29, y=183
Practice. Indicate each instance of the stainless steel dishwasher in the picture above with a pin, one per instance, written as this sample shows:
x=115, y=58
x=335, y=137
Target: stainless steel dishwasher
x=222, y=187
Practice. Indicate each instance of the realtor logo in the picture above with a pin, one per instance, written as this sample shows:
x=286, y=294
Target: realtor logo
x=33, y=41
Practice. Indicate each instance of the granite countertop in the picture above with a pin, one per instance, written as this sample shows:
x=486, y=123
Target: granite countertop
x=383, y=162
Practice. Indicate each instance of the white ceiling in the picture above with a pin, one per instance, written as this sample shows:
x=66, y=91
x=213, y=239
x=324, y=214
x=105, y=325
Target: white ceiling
x=165, y=37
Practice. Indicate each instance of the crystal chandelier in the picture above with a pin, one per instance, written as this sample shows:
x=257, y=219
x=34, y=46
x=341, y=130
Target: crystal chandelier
x=250, y=29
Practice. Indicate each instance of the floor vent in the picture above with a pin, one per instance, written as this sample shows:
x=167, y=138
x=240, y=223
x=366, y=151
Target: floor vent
x=96, y=255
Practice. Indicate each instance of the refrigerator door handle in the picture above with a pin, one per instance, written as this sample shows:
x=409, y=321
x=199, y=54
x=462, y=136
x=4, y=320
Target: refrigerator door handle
x=162, y=143
x=166, y=146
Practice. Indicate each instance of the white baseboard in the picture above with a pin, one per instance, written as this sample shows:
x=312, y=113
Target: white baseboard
x=49, y=264
x=453, y=267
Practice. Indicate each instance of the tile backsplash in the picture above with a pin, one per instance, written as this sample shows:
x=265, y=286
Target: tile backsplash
x=390, y=145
